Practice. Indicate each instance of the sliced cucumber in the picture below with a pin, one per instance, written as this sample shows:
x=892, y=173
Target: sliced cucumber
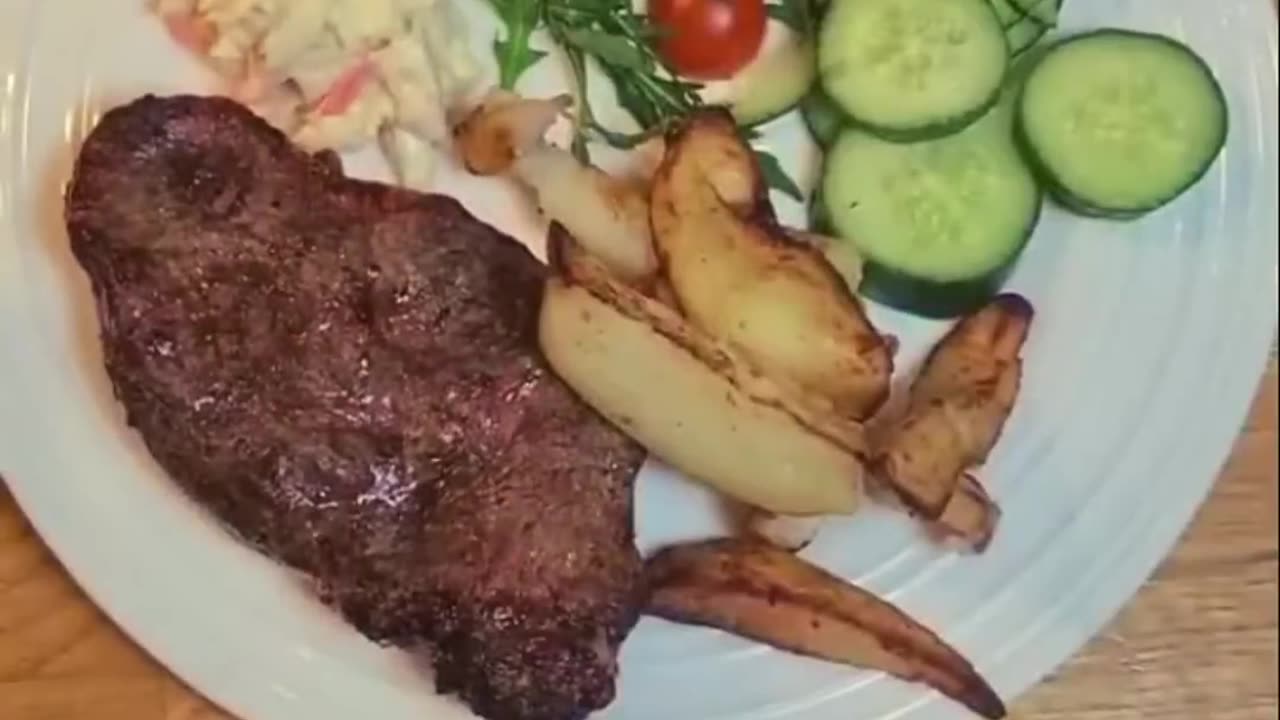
x=1045, y=11
x=1007, y=12
x=822, y=116
x=1028, y=31
x=939, y=222
x=1121, y=123
x=1024, y=34
x=912, y=69
x=771, y=84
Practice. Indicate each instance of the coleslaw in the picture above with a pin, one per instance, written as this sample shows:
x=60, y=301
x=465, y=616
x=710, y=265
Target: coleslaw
x=339, y=74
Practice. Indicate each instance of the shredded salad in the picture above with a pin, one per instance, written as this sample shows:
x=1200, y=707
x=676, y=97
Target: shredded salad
x=339, y=74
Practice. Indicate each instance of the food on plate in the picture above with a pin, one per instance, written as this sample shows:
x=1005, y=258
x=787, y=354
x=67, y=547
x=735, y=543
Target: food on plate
x=912, y=69
x=970, y=517
x=822, y=117
x=1121, y=123
x=611, y=33
x=688, y=398
x=740, y=277
x=1026, y=21
x=957, y=408
x=767, y=594
x=503, y=127
x=619, y=39
x=939, y=222
x=609, y=216
x=792, y=533
x=339, y=74
x=347, y=375
x=937, y=142
x=843, y=257
x=773, y=82
x=708, y=38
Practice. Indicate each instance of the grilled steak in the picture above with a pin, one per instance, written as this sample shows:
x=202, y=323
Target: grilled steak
x=347, y=375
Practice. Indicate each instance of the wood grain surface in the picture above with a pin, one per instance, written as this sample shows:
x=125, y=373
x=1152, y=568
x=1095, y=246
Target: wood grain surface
x=1199, y=642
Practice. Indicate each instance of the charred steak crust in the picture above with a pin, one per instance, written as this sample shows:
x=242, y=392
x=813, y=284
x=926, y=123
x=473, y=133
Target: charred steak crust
x=347, y=375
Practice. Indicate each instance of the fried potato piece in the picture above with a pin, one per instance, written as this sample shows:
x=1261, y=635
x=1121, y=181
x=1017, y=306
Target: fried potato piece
x=609, y=216
x=792, y=533
x=689, y=399
x=503, y=127
x=957, y=409
x=743, y=279
x=751, y=589
x=969, y=520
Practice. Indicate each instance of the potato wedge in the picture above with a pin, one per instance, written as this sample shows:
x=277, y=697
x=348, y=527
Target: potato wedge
x=742, y=278
x=502, y=127
x=792, y=533
x=690, y=400
x=970, y=517
x=958, y=406
x=760, y=592
x=609, y=216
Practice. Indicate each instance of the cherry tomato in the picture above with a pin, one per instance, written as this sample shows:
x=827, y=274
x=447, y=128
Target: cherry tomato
x=708, y=38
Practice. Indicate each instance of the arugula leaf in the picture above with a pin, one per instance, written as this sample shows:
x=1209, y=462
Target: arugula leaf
x=513, y=52
x=775, y=177
x=612, y=50
x=620, y=41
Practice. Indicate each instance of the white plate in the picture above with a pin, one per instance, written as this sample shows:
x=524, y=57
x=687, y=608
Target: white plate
x=1148, y=344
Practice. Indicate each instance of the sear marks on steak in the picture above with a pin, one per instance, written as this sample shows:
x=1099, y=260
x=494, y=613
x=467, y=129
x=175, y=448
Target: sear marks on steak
x=347, y=375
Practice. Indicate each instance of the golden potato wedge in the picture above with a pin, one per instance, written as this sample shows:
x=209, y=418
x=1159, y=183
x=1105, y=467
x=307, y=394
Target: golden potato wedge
x=760, y=592
x=969, y=520
x=967, y=523
x=958, y=406
x=792, y=533
x=502, y=127
x=690, y=400
x=741, y=278
x=609, y=216
x=841, y=255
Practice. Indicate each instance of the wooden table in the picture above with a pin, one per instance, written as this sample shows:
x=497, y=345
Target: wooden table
x=1199, y=642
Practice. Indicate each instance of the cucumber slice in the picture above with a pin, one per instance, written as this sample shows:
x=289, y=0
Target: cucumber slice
x=1045, y=11
x=939, y=222
x=912, y=69
x=1033, y=26
x=823, y=118
x=1007, y=12
x=1024, y=34
x=771, y=84
x=1121, y=123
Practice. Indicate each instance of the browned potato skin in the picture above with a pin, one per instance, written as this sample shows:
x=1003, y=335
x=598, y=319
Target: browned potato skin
x=742, y=278
x=608, y=216
x=688, y=398
x=958, y=407
x=970, y=517
x=502, y=127
x=760, y=592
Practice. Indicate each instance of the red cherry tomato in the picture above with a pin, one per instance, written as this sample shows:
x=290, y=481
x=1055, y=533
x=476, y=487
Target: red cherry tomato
x=708, y=38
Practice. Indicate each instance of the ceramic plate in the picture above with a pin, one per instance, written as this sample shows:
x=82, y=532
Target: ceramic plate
x=1149, y=341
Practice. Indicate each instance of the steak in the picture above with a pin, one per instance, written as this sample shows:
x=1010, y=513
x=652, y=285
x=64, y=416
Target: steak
x=347, y=375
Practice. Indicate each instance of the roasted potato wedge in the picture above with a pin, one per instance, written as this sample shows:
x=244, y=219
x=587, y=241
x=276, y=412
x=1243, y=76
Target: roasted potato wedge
x=689, y=399
x=760, y=592
x=609, y=216
x=502, y=127
x=958, y=406
x=969, y=520
x=792, y=533
x=742, y=278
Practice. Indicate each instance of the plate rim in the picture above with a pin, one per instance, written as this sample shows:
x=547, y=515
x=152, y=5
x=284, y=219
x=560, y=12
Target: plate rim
x=1239, y=395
